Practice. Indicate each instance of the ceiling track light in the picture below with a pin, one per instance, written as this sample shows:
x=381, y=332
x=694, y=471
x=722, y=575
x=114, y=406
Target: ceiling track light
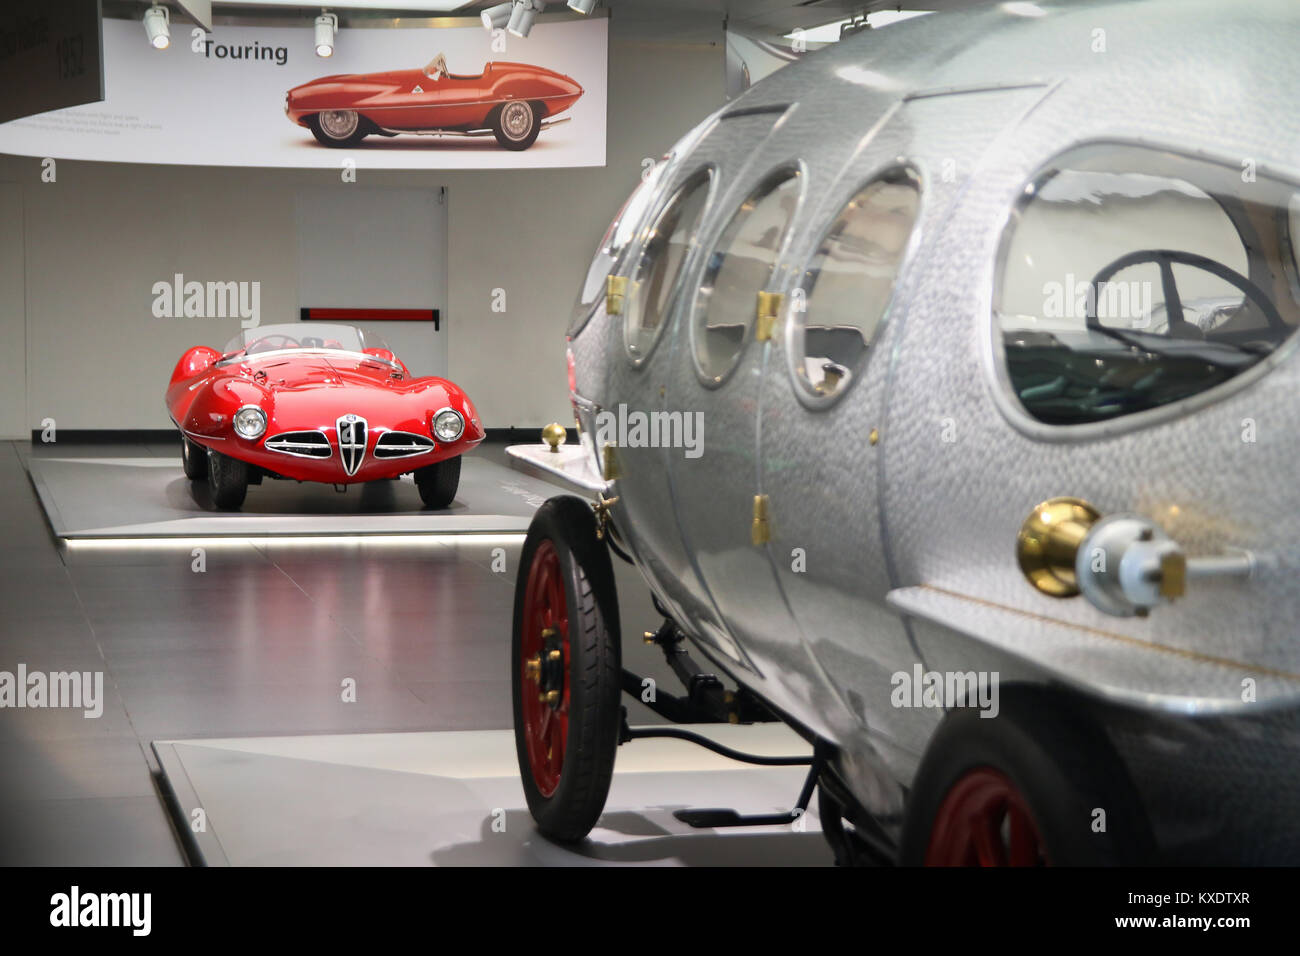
x=495, y=18
x=523, y=15
x=327, y=25
x=582, y=6
x=156, y=20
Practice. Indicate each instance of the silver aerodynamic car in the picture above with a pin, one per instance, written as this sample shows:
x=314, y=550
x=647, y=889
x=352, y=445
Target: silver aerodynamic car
x=944, y=390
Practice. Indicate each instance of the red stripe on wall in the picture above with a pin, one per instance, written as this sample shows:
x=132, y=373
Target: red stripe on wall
x=369, y=315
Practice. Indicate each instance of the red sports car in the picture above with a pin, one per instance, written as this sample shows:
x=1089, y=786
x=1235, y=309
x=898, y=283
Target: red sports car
x=314, y=402
x=513, y=101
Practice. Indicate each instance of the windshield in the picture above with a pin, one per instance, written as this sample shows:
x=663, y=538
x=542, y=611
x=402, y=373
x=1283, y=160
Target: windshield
x=303, y=335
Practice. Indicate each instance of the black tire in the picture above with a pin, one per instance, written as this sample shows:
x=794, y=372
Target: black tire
x=228, y=480
x=335, y=136
x=1062, y=766
x=516, y=124
x=438, y=483
x=194, y=459
x=566, y=529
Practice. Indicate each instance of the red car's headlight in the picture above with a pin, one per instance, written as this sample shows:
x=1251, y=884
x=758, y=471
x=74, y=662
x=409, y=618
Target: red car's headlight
x=448, y=425
x=250, y=422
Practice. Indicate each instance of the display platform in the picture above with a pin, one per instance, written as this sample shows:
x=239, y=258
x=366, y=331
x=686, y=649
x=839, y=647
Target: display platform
x=150, y=497
x=454, y=799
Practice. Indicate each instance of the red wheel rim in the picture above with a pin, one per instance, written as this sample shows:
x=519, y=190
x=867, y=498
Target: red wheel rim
x=985, y=821
x=545, y=629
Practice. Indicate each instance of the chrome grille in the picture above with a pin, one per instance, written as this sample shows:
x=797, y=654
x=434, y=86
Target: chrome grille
x=301, y=444
x=352, y=441
x=402, y=445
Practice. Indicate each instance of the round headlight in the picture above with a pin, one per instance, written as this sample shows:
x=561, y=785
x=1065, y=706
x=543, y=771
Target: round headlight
x=448, y=425
x=250, y=422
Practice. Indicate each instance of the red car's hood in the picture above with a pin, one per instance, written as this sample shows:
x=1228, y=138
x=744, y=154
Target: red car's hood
x=312, y=391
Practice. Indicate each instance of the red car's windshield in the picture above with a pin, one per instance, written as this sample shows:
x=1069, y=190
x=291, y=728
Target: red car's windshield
x=303, y=335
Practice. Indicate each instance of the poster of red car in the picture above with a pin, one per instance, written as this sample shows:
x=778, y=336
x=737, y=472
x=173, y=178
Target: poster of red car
x=458, y=97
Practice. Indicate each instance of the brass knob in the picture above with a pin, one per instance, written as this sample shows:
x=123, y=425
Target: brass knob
x=533, y=669
x=551, y=697
x=1048, y=541
x=554, y=435
x=554, y=655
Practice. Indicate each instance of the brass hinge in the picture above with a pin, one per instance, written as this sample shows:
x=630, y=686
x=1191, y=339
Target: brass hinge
x=611, y=471
x=760, y=532
x=769, y=314
x=615, y=293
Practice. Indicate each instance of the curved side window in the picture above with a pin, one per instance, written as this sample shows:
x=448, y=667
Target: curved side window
x=740, y=266
x=849, y=283
x=1133, y=278
x=663, y=251
x=620, y=232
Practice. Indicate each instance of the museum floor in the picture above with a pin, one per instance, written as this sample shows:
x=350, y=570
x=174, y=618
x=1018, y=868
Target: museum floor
x=248, y=657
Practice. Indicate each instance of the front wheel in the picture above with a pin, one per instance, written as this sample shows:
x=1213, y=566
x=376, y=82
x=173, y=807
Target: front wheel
x=194, y=457
x=439, y=482
x=566, y=666
x=228, y=479
x=338, y=128
x=516, y=124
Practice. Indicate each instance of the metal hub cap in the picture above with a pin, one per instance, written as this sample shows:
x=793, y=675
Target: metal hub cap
x=985, y=821
x=517, y=120
x=544, y=690
x=339, y=124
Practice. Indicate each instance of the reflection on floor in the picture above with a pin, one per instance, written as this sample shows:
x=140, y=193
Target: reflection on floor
x=256, y=643
x=148, y=496
x=454, y=799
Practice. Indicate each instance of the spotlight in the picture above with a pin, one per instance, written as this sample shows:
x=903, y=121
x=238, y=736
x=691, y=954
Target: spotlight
x=326, y=24
x=582, y=6
x=156, y=19
x=521, y=20
x=494, y=18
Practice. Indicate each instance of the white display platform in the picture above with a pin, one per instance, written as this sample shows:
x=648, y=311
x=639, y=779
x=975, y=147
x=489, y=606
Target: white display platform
x=151, y=497
x=454, y=799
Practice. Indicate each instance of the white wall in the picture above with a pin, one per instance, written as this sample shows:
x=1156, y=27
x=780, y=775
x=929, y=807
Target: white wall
x=96, y=240
x=399, y=238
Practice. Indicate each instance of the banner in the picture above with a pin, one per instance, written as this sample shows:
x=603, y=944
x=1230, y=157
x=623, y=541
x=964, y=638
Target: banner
x=442, y=98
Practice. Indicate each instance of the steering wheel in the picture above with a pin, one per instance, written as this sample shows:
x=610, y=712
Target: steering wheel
x=269, y=343
x=1179, y=327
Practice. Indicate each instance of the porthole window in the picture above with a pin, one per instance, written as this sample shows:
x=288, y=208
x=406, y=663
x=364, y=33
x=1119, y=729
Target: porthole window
x=663, y=250
x=1133, y=278
x=739, y=268
x=612, y=244
x=849, y=283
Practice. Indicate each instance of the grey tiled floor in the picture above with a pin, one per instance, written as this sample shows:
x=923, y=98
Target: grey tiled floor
x=259, y=644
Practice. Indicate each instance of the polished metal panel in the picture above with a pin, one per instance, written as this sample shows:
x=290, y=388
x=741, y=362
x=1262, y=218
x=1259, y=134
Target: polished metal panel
x=921, y=475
